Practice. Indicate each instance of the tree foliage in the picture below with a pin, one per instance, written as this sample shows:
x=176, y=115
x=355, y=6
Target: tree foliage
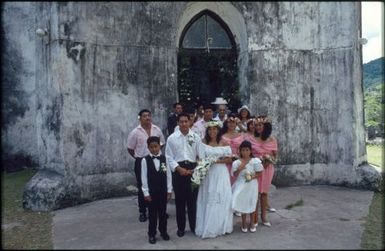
x=374, y=109
x=373, y=80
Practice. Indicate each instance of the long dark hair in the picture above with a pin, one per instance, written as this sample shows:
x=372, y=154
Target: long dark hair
x=267, y=129
x=245, y=144
x=225, y=127
x=249, y=123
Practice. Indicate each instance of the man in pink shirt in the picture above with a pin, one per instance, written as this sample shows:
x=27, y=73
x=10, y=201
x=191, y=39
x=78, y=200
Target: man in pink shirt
x=137, y=148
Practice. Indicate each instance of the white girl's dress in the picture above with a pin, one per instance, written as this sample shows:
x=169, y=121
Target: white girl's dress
x=214, y=215
x=245, y=194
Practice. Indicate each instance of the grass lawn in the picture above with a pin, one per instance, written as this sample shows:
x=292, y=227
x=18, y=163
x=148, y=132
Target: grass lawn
x=373, y=236
x=375, y=155
x=22, y=229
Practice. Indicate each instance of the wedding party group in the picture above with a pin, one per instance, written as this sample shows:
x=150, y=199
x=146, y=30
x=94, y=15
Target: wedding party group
x=218, y=167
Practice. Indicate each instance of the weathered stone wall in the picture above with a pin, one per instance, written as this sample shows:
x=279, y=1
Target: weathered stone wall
x=305, y=72
x=103, y=62
x=18, y=129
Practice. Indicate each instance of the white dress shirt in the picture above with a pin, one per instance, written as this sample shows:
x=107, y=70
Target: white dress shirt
x=181, y=147
x=145, y=188
x=200, y=128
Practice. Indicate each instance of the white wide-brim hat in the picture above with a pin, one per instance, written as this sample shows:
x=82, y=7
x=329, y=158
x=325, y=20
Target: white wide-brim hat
x=219, y=101
x=243, y=107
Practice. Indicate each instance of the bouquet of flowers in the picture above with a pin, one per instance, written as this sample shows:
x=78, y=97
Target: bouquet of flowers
x=267, y=159
x=247, y=175
x=201, y=170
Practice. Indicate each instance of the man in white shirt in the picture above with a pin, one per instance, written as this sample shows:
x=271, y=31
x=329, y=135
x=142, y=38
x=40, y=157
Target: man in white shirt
x=222, y=114
x=137, y=148
x=183, y=149
x=199, y=126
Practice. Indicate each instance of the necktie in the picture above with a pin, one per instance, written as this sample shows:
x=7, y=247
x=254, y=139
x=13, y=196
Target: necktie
x=156, y=157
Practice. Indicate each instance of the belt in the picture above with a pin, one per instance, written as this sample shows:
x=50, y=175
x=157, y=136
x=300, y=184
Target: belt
x=186, y=162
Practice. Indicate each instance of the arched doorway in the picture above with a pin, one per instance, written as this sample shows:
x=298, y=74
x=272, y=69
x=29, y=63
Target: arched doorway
x=207, y=62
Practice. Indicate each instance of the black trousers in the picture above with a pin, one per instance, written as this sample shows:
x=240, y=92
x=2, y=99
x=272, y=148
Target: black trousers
x=185, y=196
x=138, y=173
x=157, y=210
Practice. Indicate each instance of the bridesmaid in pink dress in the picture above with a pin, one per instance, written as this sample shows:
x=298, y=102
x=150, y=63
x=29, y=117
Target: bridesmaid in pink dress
x=250, y=134
x=233, y=139
x=264, y=145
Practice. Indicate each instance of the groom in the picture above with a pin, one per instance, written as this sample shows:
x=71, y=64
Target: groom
x=183, y=149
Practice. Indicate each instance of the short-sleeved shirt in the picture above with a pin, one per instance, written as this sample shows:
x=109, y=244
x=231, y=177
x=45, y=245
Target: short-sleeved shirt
x=200, y=128
x=137, y=140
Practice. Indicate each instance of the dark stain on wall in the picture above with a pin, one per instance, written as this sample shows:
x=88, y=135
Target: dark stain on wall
x=53, y=119
x=79, y=143
x=14, y=98
x=16, y=162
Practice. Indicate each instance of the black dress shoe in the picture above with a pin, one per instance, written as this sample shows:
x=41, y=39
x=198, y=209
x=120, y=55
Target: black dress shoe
x=180, y=233
x=142, y=217
x=165, y=236
x=152, y=239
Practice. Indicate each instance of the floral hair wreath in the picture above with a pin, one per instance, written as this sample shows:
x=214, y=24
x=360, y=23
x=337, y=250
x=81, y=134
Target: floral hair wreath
x=213, y=123
x=230, y=118
x=262, y=120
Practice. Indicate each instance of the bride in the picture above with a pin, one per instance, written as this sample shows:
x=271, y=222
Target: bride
x=214, y=213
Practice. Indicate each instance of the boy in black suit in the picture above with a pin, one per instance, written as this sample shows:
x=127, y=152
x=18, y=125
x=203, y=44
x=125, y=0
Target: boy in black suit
x=156, y=187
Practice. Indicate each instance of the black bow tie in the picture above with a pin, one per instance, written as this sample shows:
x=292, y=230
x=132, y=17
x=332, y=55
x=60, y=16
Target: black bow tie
x=156, y=157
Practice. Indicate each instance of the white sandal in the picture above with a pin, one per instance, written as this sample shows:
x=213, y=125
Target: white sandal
x=267, y=224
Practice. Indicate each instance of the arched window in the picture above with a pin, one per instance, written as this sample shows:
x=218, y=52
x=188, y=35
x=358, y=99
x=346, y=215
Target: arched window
x=206, y=31
x=207, y=61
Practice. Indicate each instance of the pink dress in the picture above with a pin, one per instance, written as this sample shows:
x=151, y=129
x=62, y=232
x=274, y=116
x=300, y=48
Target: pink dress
x=260, y=149
x=234, y=145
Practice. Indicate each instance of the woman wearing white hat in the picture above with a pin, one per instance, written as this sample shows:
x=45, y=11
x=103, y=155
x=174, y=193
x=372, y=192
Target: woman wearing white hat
x=243, y=115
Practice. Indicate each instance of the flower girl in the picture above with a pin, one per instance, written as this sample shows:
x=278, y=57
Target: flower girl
x=245, y=188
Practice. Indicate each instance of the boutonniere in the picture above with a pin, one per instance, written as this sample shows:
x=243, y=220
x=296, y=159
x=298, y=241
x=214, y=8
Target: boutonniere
x=191, y=139
x=163, y=167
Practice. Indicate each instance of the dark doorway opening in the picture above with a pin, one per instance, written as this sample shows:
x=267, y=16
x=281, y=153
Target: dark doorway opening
x=207, y=62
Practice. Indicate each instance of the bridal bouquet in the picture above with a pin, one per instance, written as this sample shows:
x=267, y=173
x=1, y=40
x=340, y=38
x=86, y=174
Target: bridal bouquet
x=266, y=159
x=201, y=170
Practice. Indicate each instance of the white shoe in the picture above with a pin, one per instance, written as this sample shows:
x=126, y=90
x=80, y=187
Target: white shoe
x=272, y=210
x=253, y=229
x=238, y=214
x=267, y=224
x=244, y=230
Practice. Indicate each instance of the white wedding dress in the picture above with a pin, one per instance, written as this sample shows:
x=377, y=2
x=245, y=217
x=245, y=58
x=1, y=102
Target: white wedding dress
x=214, y=213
